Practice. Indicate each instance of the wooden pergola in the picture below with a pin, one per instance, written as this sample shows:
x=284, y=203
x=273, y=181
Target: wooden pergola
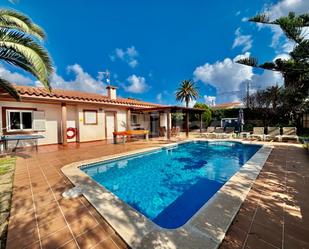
x=173, y=109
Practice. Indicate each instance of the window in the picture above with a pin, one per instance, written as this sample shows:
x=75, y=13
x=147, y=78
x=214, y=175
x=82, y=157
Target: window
x=19, y=120
x=134, y=118
x=90, y=117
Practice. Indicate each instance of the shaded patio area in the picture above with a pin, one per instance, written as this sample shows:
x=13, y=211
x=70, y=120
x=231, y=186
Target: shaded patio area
x=274, y=215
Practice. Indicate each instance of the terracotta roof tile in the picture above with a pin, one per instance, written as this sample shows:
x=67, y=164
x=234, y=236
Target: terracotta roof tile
x=228, y=105
x=60, y=94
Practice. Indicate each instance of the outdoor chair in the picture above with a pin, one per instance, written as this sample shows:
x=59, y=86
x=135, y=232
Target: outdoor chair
x=289, y=133
x=175, y=131
x=258, y=132
x=162, y=131
x=272, y=133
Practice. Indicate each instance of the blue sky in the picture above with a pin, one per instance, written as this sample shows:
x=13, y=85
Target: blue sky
x=149, y=47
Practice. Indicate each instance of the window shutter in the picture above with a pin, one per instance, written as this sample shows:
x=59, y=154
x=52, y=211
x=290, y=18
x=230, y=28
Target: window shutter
x=39, y=122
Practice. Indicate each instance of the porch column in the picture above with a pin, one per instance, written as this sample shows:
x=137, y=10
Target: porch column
x=128, y=119
x=187, y=124
x=168, y=129
x=64, y=123
x=201, y=122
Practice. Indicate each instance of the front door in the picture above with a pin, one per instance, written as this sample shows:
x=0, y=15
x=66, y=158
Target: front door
x=110, y=124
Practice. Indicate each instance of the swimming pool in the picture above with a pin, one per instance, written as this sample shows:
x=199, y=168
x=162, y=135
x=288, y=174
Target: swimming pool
x=170, y=185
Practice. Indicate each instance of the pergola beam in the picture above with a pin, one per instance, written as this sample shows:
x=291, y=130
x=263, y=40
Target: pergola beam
x=201, y=122
x=64, y=123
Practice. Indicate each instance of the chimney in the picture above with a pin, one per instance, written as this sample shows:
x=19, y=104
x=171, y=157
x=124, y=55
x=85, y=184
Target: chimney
x=111, y=92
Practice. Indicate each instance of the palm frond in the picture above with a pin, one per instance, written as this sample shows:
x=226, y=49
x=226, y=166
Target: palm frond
x=12, y=57
x=11, y=19
x=187, y=91
x=249, y=61
x=9, y=88
x=33, y=52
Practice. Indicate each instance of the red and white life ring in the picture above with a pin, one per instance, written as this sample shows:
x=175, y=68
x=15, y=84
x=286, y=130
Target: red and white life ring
x=71, y=132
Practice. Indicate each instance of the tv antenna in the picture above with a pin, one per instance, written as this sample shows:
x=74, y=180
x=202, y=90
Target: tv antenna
x=105, y=75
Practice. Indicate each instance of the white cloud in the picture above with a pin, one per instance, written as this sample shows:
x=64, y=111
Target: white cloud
x=282, y=8
x=159, y=97
x=238, y=13
x=282, y=56
x=190, y=104
x=128, y=55
x=210, y=100
x=241, y=40
x=230, y=78
x=137, y=84
x=13, y=77
x=82, y=81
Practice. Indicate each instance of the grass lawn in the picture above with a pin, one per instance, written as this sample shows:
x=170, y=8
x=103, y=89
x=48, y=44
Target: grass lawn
x=7, y=166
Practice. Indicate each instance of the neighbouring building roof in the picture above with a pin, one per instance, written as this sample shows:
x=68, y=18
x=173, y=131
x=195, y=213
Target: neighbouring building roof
x=39, y=93
x=229, y=105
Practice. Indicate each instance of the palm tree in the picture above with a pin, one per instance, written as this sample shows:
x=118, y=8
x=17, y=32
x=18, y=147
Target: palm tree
x=20, y=45
x=187, y=91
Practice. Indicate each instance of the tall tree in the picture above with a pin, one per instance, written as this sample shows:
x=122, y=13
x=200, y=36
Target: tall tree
x=21, y=46
x=187, y=92
x=206, y=116
x=294, y=70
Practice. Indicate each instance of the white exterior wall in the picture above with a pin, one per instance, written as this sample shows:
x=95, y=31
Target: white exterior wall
x=75, y=119
x=121, y=118
x=97, y=132
x=52, y=116
x=163, y=120
x=90, y=132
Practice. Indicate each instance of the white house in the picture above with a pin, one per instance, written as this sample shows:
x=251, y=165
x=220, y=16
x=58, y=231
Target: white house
x=64, y=116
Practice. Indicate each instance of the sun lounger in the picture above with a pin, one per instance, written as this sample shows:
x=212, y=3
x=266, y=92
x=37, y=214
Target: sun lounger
x=210, y=131
x=229, y=132
x=289, y=133
x=272, y=133
x=258, y=132
x=219, y=132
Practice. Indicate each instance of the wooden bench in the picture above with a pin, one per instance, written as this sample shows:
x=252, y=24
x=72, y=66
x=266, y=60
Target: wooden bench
x=129, y=134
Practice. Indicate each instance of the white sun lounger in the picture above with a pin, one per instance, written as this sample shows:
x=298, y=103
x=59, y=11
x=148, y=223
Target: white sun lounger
x=272, y=133
x=258, y=132
x=289, y=133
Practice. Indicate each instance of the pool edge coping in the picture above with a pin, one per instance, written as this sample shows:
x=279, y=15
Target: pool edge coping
x=207, y=227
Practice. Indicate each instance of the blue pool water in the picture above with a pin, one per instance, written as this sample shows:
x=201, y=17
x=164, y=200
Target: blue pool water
x=170, y=185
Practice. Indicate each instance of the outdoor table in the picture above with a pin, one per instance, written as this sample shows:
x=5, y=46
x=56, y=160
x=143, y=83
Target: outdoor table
x=18, y=138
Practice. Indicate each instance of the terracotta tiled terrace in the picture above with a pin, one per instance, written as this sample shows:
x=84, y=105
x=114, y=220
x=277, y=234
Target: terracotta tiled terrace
x=274, y=215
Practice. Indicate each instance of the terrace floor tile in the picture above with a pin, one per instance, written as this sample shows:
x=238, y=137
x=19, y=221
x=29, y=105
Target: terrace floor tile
x=277, y=202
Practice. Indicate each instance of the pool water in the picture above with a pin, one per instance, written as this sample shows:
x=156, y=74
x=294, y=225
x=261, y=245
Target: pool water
x=170, y=185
